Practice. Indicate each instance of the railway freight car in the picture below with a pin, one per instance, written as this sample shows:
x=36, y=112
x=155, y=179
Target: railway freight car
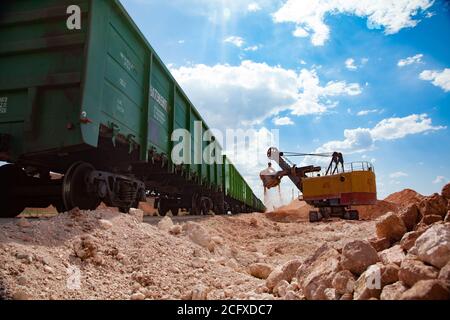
x=239, y=197
x=83, y=94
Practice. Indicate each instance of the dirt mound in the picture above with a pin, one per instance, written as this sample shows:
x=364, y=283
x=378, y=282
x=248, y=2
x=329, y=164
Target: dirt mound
x=405, y=197
x=374, y=211
x=296, y=211
x=103, y=254
x=393, y=203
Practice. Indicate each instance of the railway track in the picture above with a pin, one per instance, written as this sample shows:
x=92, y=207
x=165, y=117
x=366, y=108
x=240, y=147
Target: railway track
x=177, y=219
x=153, y=220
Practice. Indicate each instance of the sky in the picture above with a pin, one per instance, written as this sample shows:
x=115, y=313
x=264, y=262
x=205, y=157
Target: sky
x=367, y=78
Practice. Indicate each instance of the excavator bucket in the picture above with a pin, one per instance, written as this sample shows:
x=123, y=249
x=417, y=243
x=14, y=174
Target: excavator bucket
x=270, y=180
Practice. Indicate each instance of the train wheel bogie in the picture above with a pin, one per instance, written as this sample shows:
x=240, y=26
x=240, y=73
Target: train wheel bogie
x=314, y=216
x=174, y=210
x=75, y=188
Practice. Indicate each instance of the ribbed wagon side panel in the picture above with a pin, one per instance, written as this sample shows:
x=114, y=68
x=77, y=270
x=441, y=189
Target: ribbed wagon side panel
x=204, y=165
x=219, y=173
x=161, y=89
x=124, y=84
x=195, y=168
x=181, y=121
x=42, y=64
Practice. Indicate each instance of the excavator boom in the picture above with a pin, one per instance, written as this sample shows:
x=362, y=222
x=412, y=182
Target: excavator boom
x=290, y=170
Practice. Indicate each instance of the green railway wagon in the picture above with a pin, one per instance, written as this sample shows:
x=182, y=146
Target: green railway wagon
x=239, y=197
x=83, y=94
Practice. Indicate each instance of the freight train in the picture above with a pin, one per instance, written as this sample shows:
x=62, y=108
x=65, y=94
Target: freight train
x=83, y=94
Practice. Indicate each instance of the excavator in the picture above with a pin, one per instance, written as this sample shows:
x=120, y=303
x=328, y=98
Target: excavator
x=333, y=192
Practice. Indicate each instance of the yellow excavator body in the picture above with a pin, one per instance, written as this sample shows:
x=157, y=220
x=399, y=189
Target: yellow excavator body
x=348, y=188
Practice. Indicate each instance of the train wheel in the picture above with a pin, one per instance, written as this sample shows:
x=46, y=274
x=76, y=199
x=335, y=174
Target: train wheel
x=174, y=210
x=314, y=216
x=204, y=209
x=353, y=215
x=206, y=205
x=75, y=193
x=10, y=176
x=162, y=207
x=195, y=205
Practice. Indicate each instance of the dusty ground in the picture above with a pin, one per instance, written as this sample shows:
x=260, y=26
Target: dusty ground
x=129, y=257
x=103, y=254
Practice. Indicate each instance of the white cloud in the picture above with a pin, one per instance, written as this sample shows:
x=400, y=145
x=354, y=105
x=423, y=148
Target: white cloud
x=253, y=7
x=363, y=139
x=235, y=40
x=284, y=121
x=439, y=78
x=350, y=64
x=232, y=96
x=300, y=33
x=309, y=15
x=356, y=140
x=398, y=174
x=397, y=128
x=367, y=112
x=311, y=98
x=439, y=180
x=252, y=48
x=410, y=60
x=239, y=42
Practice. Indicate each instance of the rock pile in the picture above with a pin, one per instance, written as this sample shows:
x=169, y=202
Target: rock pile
x=103, y=254
x=408, y=259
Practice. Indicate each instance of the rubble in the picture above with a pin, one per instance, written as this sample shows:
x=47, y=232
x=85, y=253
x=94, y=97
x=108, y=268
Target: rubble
x=277, y=255
x=344, y=282
x=410, y=216
x=393, y=255
x=137, y=214
x=433, y=246
x=371, y=282
x=430, y=219
x=446, y=191
x=409, y=239
x=285, y=272
x=380, y=244
x=165, y=224
x=393, y=291
x=427, y=290
x=390, y=226
x=412, y=271
x=358, y=255
x=317, y=273
x=197, y=233
x=260, y=270
x=444, y=274
x=434, y=205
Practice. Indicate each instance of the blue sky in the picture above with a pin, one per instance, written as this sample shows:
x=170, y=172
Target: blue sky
x=368, y=78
